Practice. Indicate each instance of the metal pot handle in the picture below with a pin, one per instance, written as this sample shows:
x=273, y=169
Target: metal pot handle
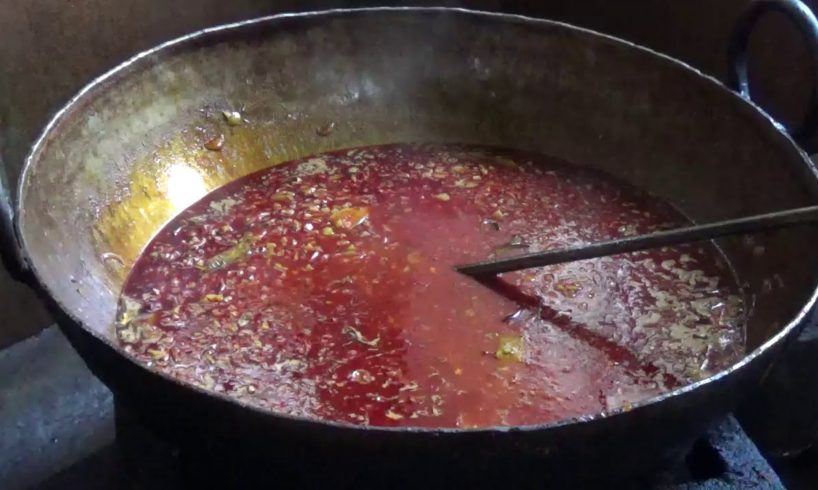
x=10, y=249
x=797, y=12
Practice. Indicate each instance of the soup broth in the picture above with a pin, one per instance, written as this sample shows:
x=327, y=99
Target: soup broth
x=325, y=288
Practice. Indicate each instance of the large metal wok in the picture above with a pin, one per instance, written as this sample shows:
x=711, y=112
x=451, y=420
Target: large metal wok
x=127, y=153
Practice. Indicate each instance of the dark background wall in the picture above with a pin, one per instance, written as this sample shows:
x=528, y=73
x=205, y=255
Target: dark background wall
x=50, y=48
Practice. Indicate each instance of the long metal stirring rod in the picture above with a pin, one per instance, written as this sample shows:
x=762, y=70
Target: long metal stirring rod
x=697, y=233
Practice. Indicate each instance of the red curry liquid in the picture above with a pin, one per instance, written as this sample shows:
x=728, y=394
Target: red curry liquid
x=325, y=288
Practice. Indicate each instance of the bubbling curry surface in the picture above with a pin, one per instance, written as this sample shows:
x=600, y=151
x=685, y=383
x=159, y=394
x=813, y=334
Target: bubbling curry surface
x=325, y=288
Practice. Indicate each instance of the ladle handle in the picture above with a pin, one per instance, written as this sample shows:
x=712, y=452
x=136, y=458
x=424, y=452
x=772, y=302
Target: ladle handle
x=738, y=79
x=690, y=234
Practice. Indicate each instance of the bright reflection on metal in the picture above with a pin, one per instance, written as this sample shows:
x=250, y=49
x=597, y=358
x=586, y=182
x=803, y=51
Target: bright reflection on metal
x=184, y=185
